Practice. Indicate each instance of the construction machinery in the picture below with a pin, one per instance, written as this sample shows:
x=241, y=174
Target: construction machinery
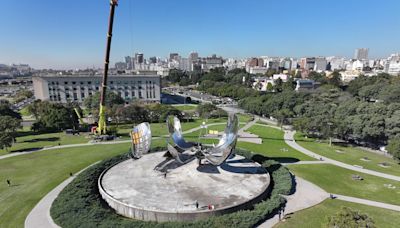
x=102, y=124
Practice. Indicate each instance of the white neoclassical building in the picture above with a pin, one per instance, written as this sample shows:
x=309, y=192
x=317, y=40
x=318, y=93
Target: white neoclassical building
x=75, y=88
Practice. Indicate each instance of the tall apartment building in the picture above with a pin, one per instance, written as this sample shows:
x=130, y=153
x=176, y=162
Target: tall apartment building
x=320, y=64
x=75, y=88
x=361, y=53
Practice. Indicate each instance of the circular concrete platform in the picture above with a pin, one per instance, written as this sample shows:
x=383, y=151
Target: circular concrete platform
x=134, y=189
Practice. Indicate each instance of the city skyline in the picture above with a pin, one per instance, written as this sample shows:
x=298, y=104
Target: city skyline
x=66, y=35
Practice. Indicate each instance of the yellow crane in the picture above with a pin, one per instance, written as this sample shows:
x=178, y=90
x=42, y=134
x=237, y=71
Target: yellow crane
x=102, y=125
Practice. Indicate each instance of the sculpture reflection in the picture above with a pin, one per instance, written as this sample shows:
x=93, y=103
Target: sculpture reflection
x=140, y=139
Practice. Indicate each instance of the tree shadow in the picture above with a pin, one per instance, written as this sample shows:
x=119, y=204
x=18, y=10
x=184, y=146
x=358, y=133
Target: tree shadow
x=50, y=139
x=26, y=150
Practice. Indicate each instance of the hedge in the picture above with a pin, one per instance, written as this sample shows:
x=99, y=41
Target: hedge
x=80, y=203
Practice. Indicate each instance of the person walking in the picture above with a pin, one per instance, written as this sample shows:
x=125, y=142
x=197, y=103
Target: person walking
x=8, y=182
x=280, y=214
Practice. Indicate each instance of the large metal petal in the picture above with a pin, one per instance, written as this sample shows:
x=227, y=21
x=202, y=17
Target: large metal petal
x=141, y=139
x=175, y=133
x=226, y=144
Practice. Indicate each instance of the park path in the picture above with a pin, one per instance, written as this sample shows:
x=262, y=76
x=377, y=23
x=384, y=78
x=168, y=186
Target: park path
x=367, y=202
x=306, y=195
x=244, y=136
x=40, y=214
x=289, y=139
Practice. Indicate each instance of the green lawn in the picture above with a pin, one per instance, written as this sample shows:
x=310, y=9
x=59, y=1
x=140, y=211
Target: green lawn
x=350, y=155
x=338, y=180
x=272, y=143
x=30, y=142
x=187, y=107
x=24, y=111
x=34, y=175
x=244, y=118
x=317, y=216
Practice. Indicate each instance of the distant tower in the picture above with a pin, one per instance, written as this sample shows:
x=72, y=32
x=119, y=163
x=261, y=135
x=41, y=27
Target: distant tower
x=361, y=54
x=139, y=58
x=193, y=56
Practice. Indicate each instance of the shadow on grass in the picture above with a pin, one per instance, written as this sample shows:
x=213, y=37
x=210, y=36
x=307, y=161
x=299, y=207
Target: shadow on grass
x=261, y=158
x=26, y=150
x=50, y=139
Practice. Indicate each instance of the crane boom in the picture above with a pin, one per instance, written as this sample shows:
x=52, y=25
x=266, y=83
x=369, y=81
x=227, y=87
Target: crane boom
x=101, y=129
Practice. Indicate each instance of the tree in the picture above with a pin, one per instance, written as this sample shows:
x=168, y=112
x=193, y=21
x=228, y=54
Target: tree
x=349, y=218
x=8, y=128
x=205, y=110
x=394, y=147
x=278, y=85
x=51, y=117
x=22, y=95
x=335, y=79
x=270, y=87
x=318, y=77
x=5, y=110
x=93, y=102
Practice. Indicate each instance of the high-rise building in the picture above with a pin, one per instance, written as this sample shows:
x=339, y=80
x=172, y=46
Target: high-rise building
x=129, y=62
x=153, y=59
x=193, y=56
x=173, y=56
x=361, y=54
x=139, y=58
x=320, y=64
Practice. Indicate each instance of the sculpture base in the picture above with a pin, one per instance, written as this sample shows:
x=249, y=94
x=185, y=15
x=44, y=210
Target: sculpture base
x=135, y=190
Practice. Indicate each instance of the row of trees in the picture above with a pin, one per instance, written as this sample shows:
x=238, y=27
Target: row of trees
x=367, y=111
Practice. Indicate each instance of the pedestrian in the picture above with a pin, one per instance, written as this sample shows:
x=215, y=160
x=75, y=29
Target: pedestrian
x=280, y=214
x=70, y=174
x=197, y=204
x=8, y=183
x=165, y=175
x=283, y=211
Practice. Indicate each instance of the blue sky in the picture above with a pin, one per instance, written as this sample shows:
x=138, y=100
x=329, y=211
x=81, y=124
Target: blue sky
x=70, y=33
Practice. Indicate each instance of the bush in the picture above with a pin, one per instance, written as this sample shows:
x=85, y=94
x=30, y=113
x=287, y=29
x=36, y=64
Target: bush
x=80, y=205
x=347, y=217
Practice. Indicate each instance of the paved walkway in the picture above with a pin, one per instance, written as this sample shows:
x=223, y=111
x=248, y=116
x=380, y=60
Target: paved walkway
x=367, y=202
x=40, y=214
x=305, y=196
x=247, y=136
x=289, y=139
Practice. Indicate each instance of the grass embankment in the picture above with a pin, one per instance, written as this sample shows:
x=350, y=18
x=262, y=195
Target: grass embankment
x=317, y=216
x=350, y=155
x=338, y=180
x=34, y=175
x=273, y=145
